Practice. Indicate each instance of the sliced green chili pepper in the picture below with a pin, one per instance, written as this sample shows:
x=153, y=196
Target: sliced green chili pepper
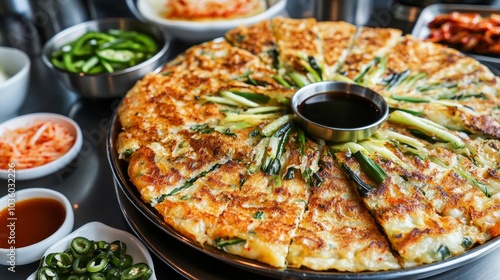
x=57, y=63
x=138, y=271
x=149, y=43
x=122, y=261
x=96, y=69
x=120, y=56
x=107, y=66
x=115, y=50
x=101, y=245
x=80, y=264
x=68, y=63
x=62, y=261
x=79, y=43
x=97, y=263
x=118, y=248
x=90, y=63
x=81, y=245
x=88, y=259
x=97, y=276
x=113, y=273
x=47, y=273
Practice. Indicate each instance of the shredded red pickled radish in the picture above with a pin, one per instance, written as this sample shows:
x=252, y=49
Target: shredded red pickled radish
x=35, y=145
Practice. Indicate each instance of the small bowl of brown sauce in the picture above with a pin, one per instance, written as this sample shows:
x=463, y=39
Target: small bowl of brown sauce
x=31, y=220
x=338, y=111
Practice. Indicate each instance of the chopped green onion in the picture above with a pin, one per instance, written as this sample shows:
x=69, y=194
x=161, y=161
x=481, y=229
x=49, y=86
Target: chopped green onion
x=409, y=99
x=264, y=109
x=221, y=243
x=299, y=79
x=271, y=128
x=363, y=187
x=444, y=252
x=373, y=170
x=255, y=97
x=282, y=81
x=426, y=126
x=240, y=100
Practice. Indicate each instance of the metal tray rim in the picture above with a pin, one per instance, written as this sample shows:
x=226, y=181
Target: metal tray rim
x=121, y=179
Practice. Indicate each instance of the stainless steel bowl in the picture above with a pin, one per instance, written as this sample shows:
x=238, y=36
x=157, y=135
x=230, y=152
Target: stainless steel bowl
x=107, y=85
x=339, y=134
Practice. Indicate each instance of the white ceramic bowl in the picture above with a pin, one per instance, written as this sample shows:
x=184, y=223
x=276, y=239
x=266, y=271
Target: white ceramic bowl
x=32, y=253
x=100, y=231
x=16, y=65
x=196, y=32
x=51, y=167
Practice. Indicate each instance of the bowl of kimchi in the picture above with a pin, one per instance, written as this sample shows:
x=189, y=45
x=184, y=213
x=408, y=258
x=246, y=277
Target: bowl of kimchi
x=37, y=145
x=196, y=21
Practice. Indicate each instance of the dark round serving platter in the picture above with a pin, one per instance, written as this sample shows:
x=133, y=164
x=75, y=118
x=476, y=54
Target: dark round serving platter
x=164, y=240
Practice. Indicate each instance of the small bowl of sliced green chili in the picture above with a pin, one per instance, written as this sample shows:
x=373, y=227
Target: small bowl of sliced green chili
x=96, y=251
x=103, y=58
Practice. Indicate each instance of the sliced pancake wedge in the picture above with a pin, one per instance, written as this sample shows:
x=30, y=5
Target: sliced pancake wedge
x=260, y=222
x=415, y=230
x=368, y=47
x=257, y=39
x=410, y=61
x=337, y=232
x=299, y=48
x=195, y=208
x=337, y=38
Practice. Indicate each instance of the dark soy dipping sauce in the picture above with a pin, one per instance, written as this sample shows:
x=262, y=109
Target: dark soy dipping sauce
x=340, y=110
x=36, y=219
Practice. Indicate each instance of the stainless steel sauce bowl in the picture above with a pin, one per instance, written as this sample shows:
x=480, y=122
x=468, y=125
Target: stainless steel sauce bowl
x=335, y=134
x=107, y=85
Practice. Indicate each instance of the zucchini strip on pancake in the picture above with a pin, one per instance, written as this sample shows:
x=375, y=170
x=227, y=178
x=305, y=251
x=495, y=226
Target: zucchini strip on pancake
x=299, y=48
x=337, y=232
